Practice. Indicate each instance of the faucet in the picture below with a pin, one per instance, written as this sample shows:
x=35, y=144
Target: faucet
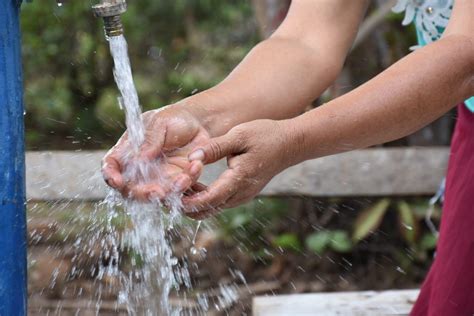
x=110, y=11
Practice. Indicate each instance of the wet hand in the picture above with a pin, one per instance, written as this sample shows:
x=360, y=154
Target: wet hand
x=255, y=151
x=170, y=135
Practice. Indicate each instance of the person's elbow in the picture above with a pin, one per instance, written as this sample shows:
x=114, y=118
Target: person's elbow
x=470, y=47
x=466, y=49
x=470, y=80
x=314, y=58
x=461, y=48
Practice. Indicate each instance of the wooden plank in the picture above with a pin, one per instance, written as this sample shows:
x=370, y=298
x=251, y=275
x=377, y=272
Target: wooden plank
x=371, y=172
x=369, y=303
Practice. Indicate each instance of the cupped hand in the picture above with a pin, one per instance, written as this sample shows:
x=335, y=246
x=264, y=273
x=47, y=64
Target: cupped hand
x=255, y=151
x=161, y=165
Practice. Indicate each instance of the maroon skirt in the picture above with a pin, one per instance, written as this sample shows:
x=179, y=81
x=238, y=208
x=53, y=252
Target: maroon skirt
x=449, y=287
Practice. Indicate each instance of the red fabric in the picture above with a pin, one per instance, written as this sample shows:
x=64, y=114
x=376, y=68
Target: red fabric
x=449, y=287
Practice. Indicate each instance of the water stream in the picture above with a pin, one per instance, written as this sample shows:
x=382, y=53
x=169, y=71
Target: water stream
x=146, y=288
x=139, y=253
x=129, y=96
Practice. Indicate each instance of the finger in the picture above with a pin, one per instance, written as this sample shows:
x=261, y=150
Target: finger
x=200, y=215
x=217, y=148
x=194, y=170
x=198, y=187
x=188, y=177
x=181, y=183
x=237, y=200
x=216, y=194
x=181, y=162
x=111, y=163
x=112, y=172
x=155, y=136
x=144, y=192
x=195, y=188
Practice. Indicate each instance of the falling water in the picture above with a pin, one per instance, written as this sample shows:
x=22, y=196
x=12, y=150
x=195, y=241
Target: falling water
x=154, y=271
x=129, y=97
x=145, y=289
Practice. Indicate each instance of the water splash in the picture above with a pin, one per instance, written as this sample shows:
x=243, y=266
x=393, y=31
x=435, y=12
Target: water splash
x=132, y=243
x=146, y=286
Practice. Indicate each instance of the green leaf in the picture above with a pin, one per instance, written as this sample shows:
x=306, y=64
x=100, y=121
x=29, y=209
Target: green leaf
x=408, y=223
x=288, y=241
x=420, y=208
x=428, y=241
x=340, y=241
x=240, y=219
x=369, y=220
x=318, y=241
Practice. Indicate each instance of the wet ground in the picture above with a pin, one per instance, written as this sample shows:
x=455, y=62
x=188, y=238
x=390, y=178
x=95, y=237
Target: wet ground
x=63, y=280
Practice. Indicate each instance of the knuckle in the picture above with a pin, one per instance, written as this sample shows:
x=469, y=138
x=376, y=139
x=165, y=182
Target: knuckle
x=105, y=167
x=240, y=134
x=215, y=150
x=147, y=115
x=243, y=172
x=242, y=139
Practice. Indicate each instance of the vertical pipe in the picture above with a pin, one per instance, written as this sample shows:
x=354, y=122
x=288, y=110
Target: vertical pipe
x=13, y=288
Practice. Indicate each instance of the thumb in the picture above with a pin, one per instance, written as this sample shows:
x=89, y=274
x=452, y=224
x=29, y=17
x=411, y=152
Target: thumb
x=217, y=148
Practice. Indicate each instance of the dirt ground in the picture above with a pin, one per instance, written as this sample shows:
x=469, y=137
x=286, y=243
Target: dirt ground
x=55, y=287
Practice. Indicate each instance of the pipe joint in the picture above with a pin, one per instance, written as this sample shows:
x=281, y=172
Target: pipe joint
x=110, y=11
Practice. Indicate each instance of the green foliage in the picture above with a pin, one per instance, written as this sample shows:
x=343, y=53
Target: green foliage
x=419, y=208
x=428, y=242
x=409, y=217
x=340, y=241
x=288, y=241
x=248, y=224
x=369, y=220
x=335, y=240
x=408, y=223
x=317, y=242
x=176, y=47
x=258, y=227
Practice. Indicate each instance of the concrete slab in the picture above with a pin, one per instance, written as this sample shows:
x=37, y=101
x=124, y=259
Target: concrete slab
x=372, y=172
x=369, y=303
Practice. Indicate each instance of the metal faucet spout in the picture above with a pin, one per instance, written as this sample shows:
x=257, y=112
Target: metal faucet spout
x=110, y=11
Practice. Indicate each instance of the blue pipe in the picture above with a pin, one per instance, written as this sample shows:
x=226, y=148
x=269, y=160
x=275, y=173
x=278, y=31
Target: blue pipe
x=13, y=285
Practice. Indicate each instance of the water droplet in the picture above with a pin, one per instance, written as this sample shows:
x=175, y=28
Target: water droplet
x=407, y=226
x=401, y=270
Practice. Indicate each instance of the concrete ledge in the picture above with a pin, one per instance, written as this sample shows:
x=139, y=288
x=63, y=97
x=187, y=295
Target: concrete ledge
x=372, y=172
x=341, y=303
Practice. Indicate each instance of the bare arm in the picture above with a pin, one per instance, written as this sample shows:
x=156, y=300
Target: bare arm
x=276, y=80
x=407, y=96
x=410, y=94
x=285, y=73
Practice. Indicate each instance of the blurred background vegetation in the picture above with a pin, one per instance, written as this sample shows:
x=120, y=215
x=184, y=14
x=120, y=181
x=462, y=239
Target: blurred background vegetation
x=177, y=48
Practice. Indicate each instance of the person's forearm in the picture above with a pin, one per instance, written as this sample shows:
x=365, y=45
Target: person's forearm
x=412, y=93
x=277, y=80
x=284, y=74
